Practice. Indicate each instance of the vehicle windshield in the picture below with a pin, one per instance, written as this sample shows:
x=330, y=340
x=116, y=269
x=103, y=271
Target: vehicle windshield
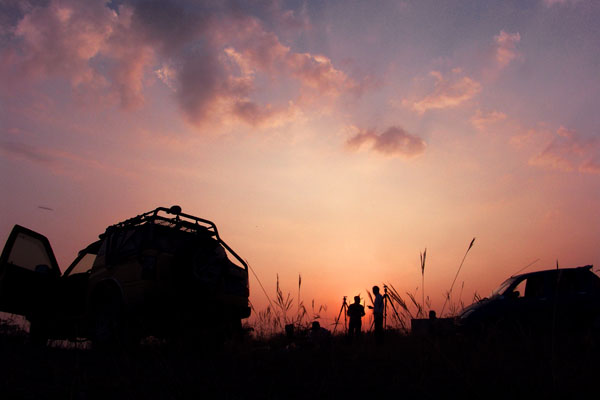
x=83, y=264
x=85, y=260
x=502, y=288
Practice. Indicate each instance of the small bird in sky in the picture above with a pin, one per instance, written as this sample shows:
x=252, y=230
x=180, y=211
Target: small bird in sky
x=46, y=208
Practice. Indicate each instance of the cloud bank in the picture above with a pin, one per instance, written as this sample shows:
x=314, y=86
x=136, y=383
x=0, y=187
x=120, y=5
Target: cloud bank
x=218, y=60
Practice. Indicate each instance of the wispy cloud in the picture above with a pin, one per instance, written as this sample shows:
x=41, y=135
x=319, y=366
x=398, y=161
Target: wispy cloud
x=506, y=47
x=450, y=91
x=58, y=161
x=551, y=3
x=569, y=151
x=393, y=142
x=482, y=120
x=523, y=137
x=29, y=153
x=591, y=166
x=264, y=116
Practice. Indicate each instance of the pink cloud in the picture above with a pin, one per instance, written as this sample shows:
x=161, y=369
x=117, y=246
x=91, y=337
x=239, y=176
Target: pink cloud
x=528, y=137
x=318, y=72
x=393, y=142
x=61, y=38
x=287, y=19
x=506, y=47
x=569, y=151
x=202, y=83
x=220, y=76
x=591, y=166
x=211, y=56
x=256, y=50
x=447, y=92
x=259, y=49
x=483, y=120
x=264, y=116
x=132, y=57
x=73, y=40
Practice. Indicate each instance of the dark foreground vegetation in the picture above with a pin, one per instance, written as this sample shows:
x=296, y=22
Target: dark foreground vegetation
x=405, y=366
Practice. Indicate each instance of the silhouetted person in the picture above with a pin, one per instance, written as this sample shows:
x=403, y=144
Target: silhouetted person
x=378, y=314
x=355, y=312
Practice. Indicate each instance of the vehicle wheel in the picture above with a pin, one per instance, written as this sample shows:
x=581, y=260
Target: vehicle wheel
x=108, y=325
x=593, y=329
x=235, y=328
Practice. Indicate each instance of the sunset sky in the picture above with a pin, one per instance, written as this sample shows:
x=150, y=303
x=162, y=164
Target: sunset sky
x=332, y=139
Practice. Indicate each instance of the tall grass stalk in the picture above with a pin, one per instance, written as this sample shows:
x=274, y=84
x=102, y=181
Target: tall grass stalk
x=277, y=315
x=414, y=301
x=299, y=285
x=405, y=314
x=283, y=303
x=423, y=256
x=370, y=298
x=449, y=293
x=259, y=283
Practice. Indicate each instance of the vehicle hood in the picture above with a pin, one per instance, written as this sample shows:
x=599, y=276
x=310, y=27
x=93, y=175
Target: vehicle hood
x=483, y=303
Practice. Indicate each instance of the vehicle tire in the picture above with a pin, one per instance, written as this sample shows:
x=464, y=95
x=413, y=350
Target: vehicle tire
x=108, y=323
x=235, y=329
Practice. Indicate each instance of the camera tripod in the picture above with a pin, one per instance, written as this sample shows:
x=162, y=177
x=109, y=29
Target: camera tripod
x=387, y=299
x=344, y=309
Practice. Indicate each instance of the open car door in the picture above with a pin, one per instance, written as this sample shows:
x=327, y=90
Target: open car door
x=28, y=269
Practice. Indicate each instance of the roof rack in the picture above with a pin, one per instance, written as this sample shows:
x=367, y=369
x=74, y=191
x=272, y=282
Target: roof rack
x=173, y=218
x=178, y=220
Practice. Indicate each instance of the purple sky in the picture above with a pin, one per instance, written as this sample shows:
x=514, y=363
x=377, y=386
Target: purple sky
x=331, y=139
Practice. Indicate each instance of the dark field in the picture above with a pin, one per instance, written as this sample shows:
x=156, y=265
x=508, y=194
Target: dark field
x=403, y=367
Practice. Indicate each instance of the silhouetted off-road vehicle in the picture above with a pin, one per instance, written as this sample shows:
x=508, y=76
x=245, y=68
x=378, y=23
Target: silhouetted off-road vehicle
x=163, y=273
x=565, y=300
